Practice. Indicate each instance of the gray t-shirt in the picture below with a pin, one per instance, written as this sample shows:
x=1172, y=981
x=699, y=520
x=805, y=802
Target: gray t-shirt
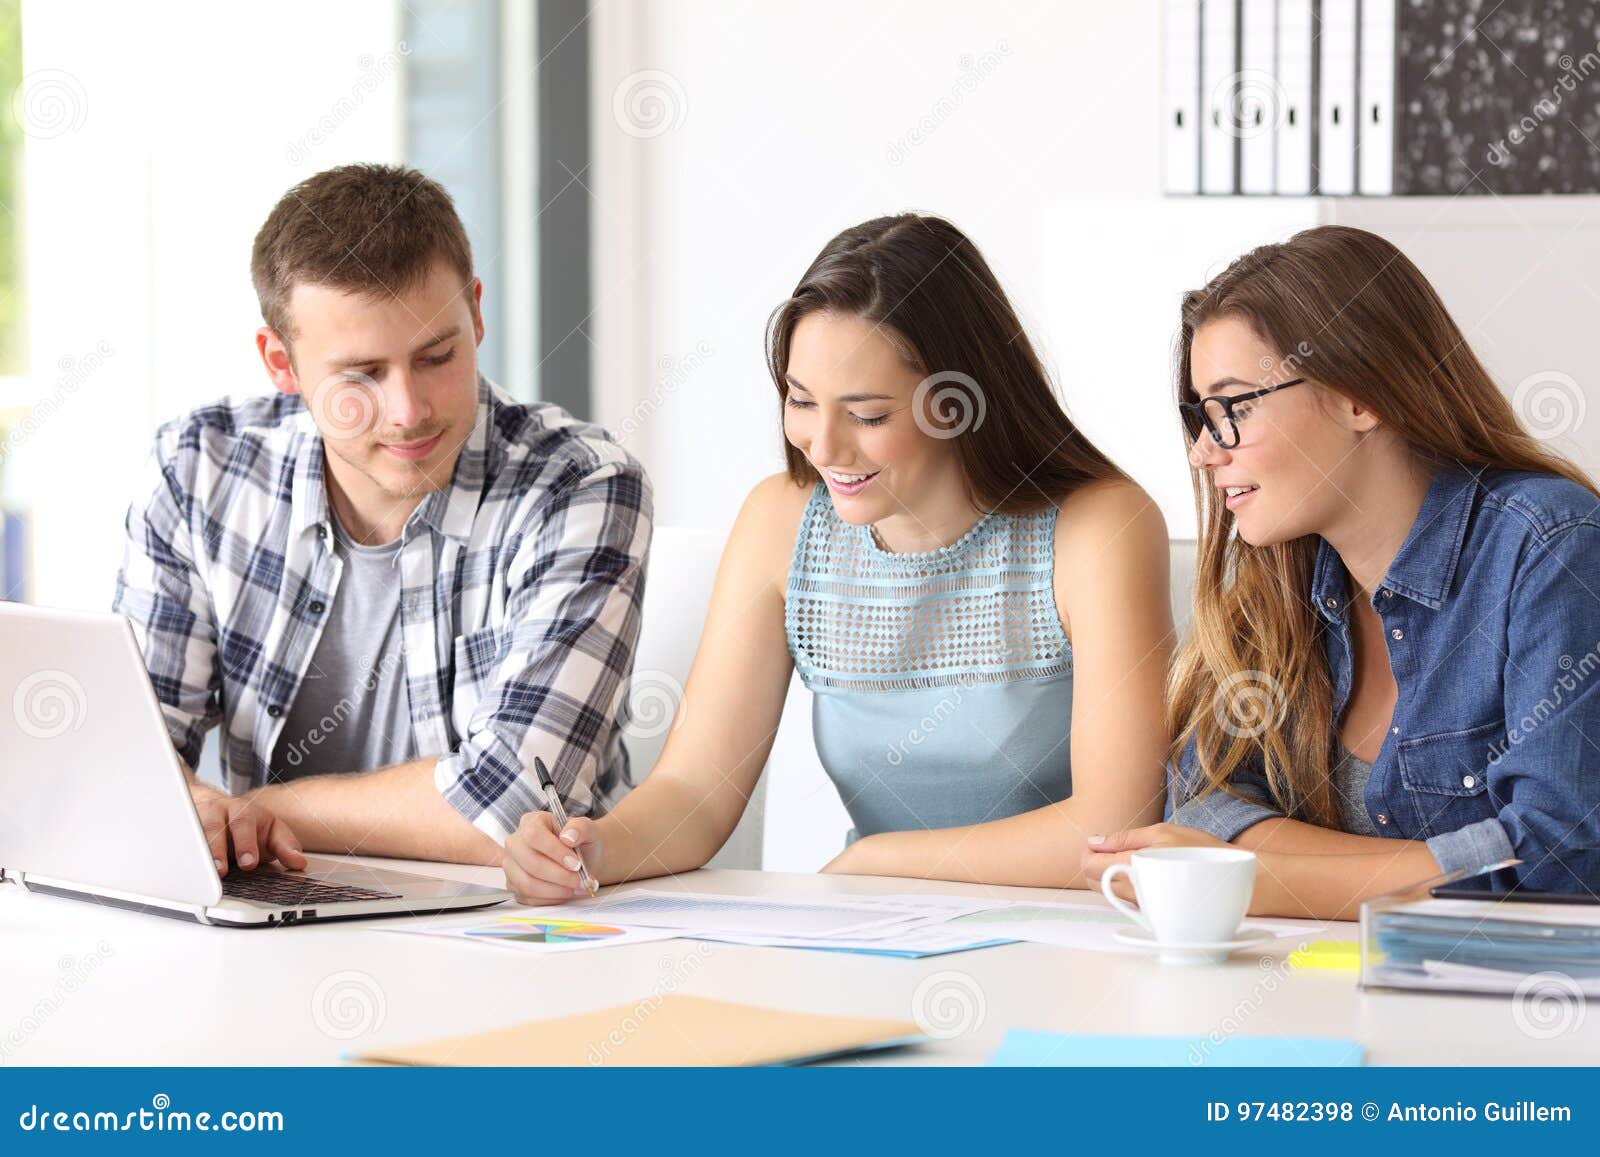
x=1350, y=776
x=352, y=712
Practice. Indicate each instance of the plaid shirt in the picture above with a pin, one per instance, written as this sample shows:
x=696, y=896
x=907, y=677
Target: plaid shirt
x=519, y=610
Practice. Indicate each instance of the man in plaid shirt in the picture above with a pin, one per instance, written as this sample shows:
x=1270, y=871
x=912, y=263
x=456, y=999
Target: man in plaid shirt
x=392, y=585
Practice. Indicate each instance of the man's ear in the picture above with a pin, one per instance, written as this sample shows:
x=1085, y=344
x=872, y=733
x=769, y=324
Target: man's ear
x=275, y=356
x=477, y=309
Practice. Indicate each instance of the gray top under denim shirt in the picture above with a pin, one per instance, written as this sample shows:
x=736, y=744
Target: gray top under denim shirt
x=1492, y=612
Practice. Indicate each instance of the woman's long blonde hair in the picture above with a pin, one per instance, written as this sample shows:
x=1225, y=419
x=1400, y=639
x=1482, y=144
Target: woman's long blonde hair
x=1345, y=309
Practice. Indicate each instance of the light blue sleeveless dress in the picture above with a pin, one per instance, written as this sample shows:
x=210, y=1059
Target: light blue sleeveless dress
x=942, y=679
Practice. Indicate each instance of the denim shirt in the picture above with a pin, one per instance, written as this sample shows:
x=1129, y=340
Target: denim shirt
x=1491, y=612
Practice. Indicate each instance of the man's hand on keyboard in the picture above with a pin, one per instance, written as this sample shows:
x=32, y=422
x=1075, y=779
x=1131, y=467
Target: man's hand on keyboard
x=241, y=831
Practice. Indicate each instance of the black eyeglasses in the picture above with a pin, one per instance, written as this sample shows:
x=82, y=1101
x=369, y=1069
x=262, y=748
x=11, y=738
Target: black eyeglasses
x=1215, y=414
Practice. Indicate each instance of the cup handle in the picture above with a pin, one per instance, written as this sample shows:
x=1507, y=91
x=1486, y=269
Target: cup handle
x=1117, y=901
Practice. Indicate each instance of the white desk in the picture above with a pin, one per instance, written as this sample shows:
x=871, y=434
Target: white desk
x=81, y=984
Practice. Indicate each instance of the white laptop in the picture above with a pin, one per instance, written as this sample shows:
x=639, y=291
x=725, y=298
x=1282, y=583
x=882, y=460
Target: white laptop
x=94, y=803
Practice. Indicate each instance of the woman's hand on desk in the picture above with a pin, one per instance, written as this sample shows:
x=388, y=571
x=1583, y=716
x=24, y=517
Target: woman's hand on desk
x=242, y=831
x=1117, y=847
x=541, y=864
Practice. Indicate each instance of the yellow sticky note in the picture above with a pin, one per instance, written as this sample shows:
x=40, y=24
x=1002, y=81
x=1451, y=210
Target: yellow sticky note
x=1328, y=956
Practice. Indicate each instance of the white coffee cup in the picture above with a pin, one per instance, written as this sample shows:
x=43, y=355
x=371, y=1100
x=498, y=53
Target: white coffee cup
x=1187, y=896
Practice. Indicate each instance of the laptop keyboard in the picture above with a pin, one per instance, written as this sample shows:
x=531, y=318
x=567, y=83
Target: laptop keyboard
x=290, y=891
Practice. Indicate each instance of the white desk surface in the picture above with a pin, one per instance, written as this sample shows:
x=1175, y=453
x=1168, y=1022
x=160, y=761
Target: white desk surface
x=81, y=984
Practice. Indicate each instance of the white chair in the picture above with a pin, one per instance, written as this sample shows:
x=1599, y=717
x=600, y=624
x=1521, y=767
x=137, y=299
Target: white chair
x=1181, y=570
x=677, y=594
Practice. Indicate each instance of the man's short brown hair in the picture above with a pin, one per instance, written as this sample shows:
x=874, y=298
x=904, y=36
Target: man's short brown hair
x=374, y=229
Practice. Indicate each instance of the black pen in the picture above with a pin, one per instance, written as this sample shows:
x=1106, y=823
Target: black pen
x=553, y=799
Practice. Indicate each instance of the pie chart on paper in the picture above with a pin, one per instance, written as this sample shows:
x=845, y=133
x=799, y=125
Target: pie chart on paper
x=527, y=930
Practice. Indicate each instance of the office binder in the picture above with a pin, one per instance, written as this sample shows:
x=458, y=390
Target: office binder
x=1219, y=77
x=1336, y=144
x=1293, y=146
x=1375, y=126
x=1181, y=96
x=1359, y=100
x=1257, y=105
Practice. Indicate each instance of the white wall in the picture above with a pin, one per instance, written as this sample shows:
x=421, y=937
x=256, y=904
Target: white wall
x=1031, y=125
x=1521, y=276
x=180, y=127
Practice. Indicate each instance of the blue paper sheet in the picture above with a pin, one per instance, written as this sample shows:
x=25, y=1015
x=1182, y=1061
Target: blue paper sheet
x=1022, y=1048
x=908, y=953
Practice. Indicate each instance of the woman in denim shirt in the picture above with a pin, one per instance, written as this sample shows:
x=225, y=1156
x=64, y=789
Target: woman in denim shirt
x=1394, y=669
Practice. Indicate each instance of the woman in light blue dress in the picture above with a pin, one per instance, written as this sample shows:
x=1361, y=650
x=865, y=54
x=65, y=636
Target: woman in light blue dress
x=975, y=595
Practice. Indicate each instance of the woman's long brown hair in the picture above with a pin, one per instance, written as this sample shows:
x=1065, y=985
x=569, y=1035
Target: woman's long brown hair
x=1347, y=310
x=926, y=285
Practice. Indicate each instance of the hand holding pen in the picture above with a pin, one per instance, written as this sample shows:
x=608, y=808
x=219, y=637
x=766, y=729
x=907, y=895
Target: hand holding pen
x=553, y=801
x=547, y=857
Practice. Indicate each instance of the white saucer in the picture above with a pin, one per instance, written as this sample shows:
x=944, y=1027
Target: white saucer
x=1214, y=953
